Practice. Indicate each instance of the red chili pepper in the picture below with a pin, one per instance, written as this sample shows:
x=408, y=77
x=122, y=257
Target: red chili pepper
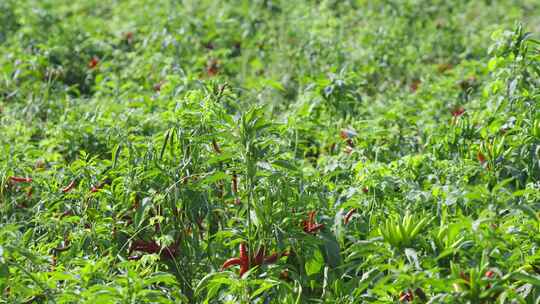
x=347, y=134
x=93, y=62
x=415, y=84
x=235, y=183
x=490, y=274
x=99, y=186
x=481, y=158
x=212, y=67
x=246, y=263
x=457, y=112
x=271, y=258
x=231, y=262
x=17, y=179
x=151, y=247
x=243, y=260
x=69, y=187
x=216, y=146
x=244, y=267
x=406, y=296
x=274, y=257
x=157, y=86
x=309, y=225
x=129, y=37
x=259, y=257
x=348, y=216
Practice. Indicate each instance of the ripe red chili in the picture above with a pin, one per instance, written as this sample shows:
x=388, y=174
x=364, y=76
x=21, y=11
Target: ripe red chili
x=212, y=67
x=284, y=275
x=129, y=37
x=271, y=258
x=169, y=252
x=481, y=158
x=274, y=257
x=457, y=112
x=490, y=274
x=347, y=134
x=93, y=62
x=406, y=296
x=17, y=179
x=348, y=216
x=69, y=187
x=216, y=146
x=245, y=262
x=157, y=86
x=99, y=186
x=309, y=225
x=415, y=84
x=259, y=257
x=235, y=183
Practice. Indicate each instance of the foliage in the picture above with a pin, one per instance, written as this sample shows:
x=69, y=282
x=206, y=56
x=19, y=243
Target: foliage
x=359, y=151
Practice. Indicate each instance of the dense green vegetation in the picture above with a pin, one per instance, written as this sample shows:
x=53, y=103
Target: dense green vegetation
x=333, y=151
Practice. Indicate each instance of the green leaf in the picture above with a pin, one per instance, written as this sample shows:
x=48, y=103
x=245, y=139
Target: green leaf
x=527, y=278
x=315, y=264
x=331, y=249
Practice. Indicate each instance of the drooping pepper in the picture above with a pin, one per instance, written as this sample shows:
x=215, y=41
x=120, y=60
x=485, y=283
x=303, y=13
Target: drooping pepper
x=246, y=263
x=309, y=225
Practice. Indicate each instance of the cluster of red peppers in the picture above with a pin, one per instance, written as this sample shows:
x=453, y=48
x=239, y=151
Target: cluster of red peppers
x=309, y=225
x=151, y=247
x=246, y=262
